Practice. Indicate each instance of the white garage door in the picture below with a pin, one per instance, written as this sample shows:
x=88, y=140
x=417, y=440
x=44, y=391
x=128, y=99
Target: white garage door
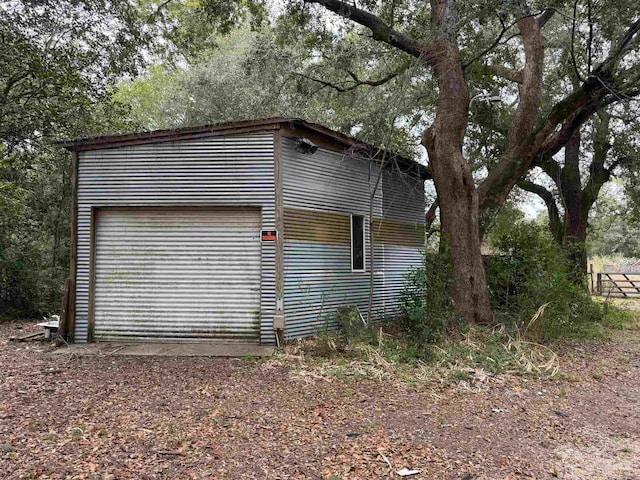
x=179, y=273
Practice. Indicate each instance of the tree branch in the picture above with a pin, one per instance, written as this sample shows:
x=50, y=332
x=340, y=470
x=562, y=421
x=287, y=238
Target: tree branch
x=546, y=16
x=357, y=82
x=430, y=216
x=555, y=222
x=549, y=166
x=542, y=20
x=573, y=41
x=325, y=83
x=519, y=154
x=374, y=83
x=493, y=45
x=570, y=113
x=508, y=73
x=380, y=30
x=598, y=173
x=609, y=64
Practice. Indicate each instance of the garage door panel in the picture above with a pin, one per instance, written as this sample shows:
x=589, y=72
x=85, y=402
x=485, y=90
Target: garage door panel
x=177, y=274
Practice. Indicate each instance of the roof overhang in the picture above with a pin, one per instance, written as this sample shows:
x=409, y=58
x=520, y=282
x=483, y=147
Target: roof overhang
x=292, y=126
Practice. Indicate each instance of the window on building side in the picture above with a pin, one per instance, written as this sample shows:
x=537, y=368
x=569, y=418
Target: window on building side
x=357, y=243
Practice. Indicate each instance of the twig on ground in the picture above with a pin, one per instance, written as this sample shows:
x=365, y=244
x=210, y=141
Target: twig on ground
x=170, y=453
x=113, y=352
x=384, y=457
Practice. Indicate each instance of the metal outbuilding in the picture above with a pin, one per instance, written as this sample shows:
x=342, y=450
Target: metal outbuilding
x=236, y=232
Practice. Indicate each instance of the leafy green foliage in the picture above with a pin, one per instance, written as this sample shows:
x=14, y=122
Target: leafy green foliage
x=34, y=233
x=613, y=229
x=57, y=59
x=248, y=75
x=58, y=62
x=426, y=309
x=528, y=270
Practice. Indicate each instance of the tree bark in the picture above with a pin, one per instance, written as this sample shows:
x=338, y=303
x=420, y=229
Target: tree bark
x=454, y=182
x=575, y=222
x=530, y=134
x=555, y=222
x=523, y=144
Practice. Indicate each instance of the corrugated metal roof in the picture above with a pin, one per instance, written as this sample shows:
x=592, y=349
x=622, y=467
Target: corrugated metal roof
x=230, y=128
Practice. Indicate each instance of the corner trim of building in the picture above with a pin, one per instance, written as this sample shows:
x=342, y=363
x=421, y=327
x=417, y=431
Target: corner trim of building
x=279, y=317
x=73, y=250
x=92, y=275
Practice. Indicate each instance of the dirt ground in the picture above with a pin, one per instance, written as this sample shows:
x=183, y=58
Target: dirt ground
x=113, y=417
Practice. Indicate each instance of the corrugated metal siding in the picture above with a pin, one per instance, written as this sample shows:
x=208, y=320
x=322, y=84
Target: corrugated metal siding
x=403, y=200
x=394, y=232
x=318, y=276
x=177, y=273
x=318, y=279
x=402, y=197
x=328, y=181
x=218, y=171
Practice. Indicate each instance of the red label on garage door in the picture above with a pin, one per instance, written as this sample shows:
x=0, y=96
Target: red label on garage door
x=269, y=235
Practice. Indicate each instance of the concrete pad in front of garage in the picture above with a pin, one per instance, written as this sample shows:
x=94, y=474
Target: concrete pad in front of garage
x=205, y=349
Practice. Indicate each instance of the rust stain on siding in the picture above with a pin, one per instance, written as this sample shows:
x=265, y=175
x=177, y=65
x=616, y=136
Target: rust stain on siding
x=331, y=227
x=314, y=226
x=394, y=232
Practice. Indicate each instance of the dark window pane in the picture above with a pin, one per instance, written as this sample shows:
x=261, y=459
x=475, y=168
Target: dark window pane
x=357, y=242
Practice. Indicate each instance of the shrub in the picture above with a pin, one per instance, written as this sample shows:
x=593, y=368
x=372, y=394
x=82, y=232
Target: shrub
x=529, y=271
x=426, y=309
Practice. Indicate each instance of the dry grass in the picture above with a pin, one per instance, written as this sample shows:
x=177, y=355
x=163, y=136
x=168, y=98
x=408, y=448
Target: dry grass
x=469, y=359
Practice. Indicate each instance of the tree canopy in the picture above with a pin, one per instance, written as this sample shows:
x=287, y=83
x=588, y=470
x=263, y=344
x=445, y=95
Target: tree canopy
x=488, y=94
x=59, y=61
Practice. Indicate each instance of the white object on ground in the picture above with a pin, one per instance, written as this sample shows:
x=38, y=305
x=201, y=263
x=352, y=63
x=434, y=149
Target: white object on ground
x=405, y=472
x=49, y=327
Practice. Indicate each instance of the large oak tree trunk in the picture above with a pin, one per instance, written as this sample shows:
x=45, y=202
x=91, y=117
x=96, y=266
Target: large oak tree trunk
x=460, y=200
x=454, y=182
x=575, y=221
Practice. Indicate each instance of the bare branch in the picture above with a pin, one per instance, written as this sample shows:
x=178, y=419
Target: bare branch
x=573, y=41
x=351, y=85
x=373, y=83
x=545, y=16
x=493, y=45
x=325, y=83
x=555, y=222
x=380, y=30
x=508, y=73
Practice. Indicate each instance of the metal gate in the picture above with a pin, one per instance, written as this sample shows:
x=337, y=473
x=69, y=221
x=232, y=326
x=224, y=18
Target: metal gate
x=177, y=273
x=618, y=284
